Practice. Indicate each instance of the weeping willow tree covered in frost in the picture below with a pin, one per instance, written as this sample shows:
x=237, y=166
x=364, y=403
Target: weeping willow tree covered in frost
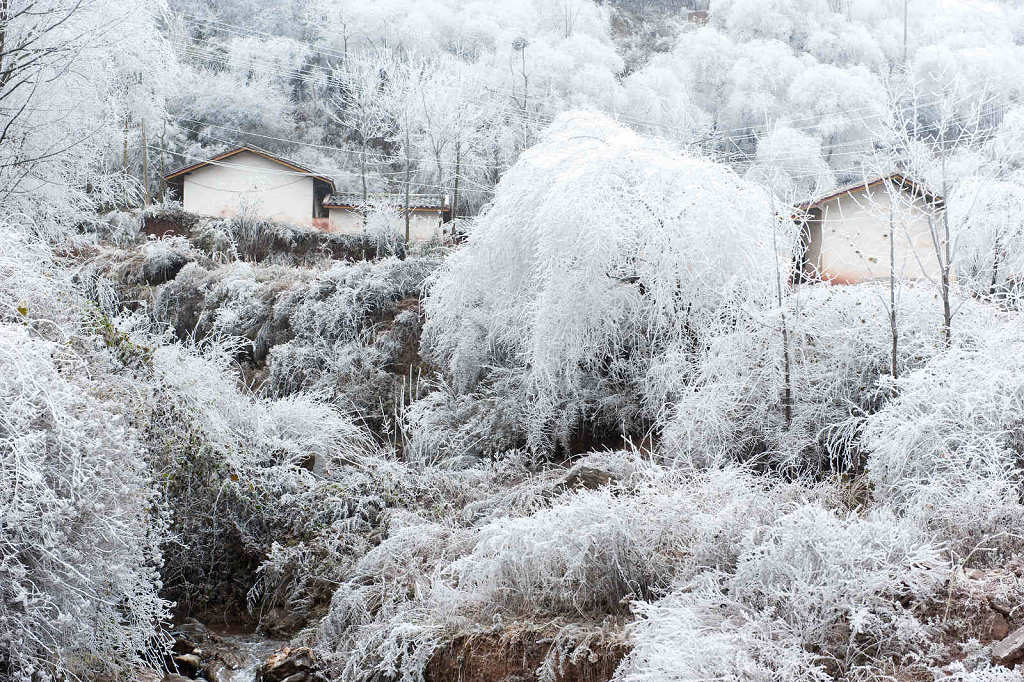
x=601, y=251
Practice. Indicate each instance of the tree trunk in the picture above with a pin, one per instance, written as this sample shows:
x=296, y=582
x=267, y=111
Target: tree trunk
x=145, y=165
x=455, y=194
x=408, y=184
x=995, y=269
x=892, y=291
x=440, y=188
x=947, y=266
x=362, y=176
x=124, y=163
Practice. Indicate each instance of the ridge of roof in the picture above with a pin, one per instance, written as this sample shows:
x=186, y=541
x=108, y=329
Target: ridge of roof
x=902, y=181
x=253, y=150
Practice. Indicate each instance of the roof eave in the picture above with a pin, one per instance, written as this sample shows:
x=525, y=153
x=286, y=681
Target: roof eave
x=238, y=150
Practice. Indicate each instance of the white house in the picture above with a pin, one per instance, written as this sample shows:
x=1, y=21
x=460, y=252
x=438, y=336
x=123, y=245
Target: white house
x=846, y=234
x=256, y=180
x=427, y=213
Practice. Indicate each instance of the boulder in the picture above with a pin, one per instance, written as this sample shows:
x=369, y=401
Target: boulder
x=288, y=665
x=1009, y=650
x=188, y=664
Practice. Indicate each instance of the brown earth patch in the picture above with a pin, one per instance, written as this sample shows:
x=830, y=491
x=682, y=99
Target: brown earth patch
x=517, y=657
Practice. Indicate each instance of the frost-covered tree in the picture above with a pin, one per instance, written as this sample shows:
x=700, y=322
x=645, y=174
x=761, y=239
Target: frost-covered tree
x=790, y=163
x=82, y=524
x=839, y=374
x=77, y=78
x=947, y=450
x=601, y=251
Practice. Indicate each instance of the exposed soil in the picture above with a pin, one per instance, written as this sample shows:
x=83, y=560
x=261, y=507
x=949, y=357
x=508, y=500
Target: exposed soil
x=486, y=657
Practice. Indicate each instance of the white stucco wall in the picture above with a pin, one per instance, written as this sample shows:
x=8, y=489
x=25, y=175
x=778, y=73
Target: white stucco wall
x=273, y=192
x=423, y=225
x=854, y=238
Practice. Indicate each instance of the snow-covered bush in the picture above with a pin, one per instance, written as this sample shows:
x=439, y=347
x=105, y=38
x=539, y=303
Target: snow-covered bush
x=80, y=545
x=947, y=451
x=355, y=334
x=599, y=250
x=165, y=257
x=235, y=300
x=839, y=372
x=447, y=426
x=988, y=219
x=269, y=499
x=814, y=596
x=81, y=523
x=582, y=555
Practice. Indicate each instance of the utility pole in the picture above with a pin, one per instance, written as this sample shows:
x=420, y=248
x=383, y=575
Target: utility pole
x=906, y=16
x=124, y=162
x=163, y=163
x=145, y=164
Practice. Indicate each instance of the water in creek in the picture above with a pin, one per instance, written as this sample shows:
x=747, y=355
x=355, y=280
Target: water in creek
x=250, y=651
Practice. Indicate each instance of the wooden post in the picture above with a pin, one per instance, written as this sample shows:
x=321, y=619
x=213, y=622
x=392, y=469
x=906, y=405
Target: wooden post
x=124, y=161
x=145, y=164
x=163, y=165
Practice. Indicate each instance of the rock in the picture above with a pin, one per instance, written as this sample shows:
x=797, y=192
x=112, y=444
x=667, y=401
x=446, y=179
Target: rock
x=188, y=664
x=1010, y=649
x=599, y=469
x=288, y=665
x=171, y=677
x=218, y=671
x=588, y=477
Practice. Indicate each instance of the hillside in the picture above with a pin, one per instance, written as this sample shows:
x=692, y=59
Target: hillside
x=705, y=360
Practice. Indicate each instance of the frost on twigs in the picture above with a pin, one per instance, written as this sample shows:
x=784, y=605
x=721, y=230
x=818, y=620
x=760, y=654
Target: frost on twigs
x=80, y=524
x=814, y=596
x=840, y=372
x=947, y=452
x=600, y=251
x=572, y=561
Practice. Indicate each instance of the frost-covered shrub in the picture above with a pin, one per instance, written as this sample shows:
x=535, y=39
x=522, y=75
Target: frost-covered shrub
x=813, y=596
x=947, y=451
x=988, y=219
x=840, y=372
x=445, y=426
x=81, y=533
x=234, y=300
x=599, y=250
x=584, y=554
x=251, y=239
x=165, y=257
x=985, y=672
x=117, y=227
x=269, y=498
x=385, y=227
x=355, y=332
x=81, y=525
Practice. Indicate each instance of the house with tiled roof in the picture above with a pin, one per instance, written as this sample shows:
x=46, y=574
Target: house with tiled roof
x=853, y=233
x=273, y=188
x=257, y=181
x=428, y=213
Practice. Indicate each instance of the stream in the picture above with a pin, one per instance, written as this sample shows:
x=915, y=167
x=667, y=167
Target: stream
x=204, y=653
x=251, y=651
